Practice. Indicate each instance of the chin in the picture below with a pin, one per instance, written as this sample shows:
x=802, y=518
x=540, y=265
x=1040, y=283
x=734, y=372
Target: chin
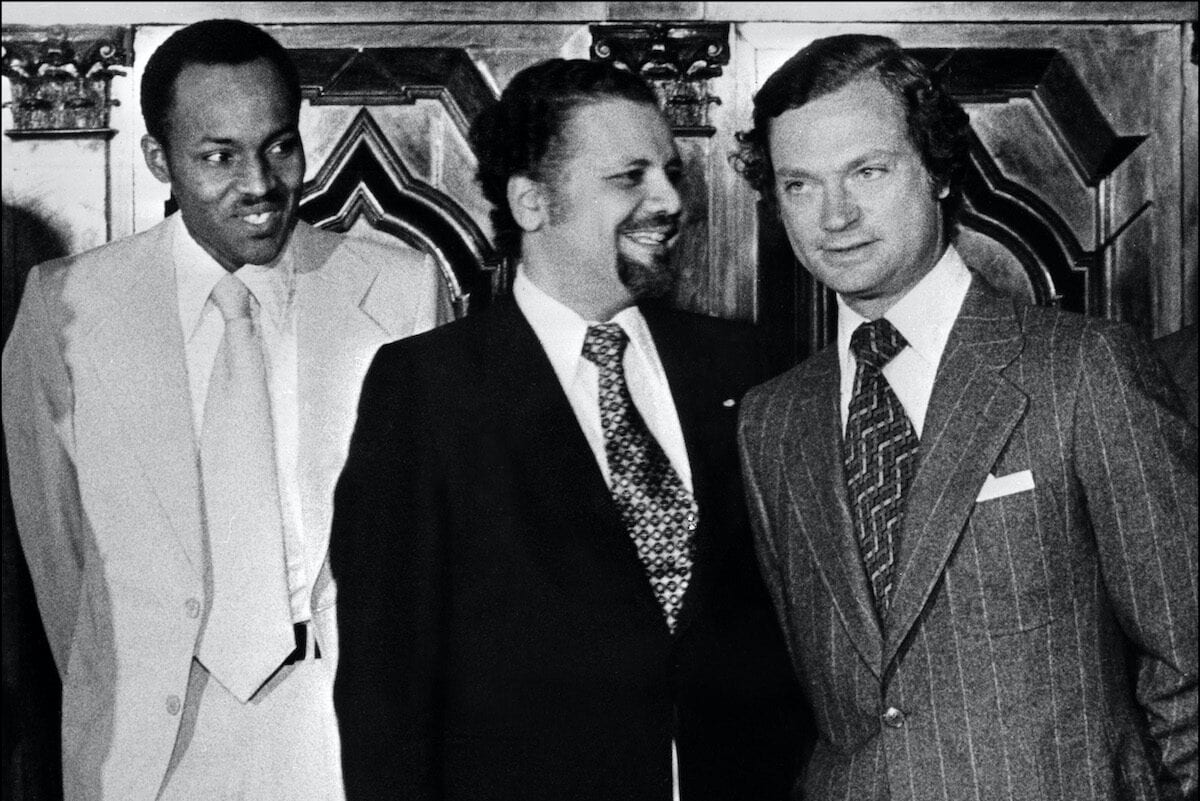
x=647, y=280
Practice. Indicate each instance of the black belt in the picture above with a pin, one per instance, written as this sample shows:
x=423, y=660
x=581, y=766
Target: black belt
x=298, y=655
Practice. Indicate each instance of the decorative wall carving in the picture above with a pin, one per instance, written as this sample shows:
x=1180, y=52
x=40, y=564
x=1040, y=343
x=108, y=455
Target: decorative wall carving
x=381, y=76
x=61, y=78
x=676, y=59
x=364, y=177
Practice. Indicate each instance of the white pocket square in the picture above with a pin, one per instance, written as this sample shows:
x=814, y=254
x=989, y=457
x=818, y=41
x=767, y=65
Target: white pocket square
x=1005, y=485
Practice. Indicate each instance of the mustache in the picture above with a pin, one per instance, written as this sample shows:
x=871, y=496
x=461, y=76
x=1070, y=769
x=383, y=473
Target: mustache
x=660, y=219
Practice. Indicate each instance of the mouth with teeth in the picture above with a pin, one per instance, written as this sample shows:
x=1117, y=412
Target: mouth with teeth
x=261, y=219
x=654, y=239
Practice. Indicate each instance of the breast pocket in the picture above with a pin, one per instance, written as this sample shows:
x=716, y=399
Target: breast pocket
x=1004, y=567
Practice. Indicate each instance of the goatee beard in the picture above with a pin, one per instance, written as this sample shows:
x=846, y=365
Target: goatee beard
x=645, y=281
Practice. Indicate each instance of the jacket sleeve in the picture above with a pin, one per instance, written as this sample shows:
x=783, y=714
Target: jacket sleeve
x=38, y=408
x=1136, y=458
x=385, y=558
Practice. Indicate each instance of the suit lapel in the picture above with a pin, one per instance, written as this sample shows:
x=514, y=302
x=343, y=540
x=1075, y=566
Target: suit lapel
x=563, y=506
x=698, y=405
x=972, y=414
x=136, y=350
x=812, y=457
x=336, y=333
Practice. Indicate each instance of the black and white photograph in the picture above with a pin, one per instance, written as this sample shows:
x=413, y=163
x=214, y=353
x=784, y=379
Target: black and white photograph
x=600, y=401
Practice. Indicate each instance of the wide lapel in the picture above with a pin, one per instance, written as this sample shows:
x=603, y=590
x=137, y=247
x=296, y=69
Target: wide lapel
x=811, y=454
x=135, y=349
x=972, y=414
x=699, y=405
x=564, y=510
x=336, y=337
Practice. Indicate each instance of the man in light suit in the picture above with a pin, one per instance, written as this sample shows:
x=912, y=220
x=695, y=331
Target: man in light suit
x=147, y=419
x=971, y=512
x=547, y=583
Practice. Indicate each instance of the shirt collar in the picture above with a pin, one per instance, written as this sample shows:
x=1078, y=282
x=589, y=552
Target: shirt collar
x=926, y=313
x=197, y=272
x=561, y=329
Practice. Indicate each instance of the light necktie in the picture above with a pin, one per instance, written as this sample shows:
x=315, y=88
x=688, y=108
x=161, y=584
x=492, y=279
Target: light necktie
x=880, y=456
x=659, y=512
x=248, y=633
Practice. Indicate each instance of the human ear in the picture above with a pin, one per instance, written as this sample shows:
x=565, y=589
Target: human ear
x=527, y=202
x=156, y=158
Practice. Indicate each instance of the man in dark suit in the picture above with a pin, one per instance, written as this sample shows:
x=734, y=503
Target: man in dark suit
x=547, y=585
x=970, y=511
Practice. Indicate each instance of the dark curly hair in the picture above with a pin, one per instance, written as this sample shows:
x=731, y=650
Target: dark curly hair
x=937, y=125
x=522, y=133
x=213, y=41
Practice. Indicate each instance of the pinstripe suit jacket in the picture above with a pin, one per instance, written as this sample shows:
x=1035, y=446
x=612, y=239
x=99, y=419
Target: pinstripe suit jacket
x=1041, y=645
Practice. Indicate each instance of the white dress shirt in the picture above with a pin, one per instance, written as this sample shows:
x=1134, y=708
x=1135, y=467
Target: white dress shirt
x=273, y=288
x=561, y=332
x=924, y=316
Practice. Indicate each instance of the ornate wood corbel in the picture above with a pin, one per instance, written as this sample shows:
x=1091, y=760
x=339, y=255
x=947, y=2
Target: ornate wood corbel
x=676, y=59
x=61, y=78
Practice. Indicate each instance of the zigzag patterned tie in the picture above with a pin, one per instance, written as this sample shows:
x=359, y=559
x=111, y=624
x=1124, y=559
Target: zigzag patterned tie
x=659, y=512
x=880, y=456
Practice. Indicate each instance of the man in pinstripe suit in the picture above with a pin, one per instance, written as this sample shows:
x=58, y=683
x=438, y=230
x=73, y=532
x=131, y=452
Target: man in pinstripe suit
x=977, y=518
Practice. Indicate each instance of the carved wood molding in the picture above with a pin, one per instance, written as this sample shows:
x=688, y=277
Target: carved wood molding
x=997, y=75
x=1062, y=270
x=364, y=177
x=61, y=78
x=375, y=76
x=677, y=59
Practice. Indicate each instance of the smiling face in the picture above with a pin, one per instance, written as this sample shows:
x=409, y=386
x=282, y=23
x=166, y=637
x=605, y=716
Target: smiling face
x=234, y=160
x=859, y=206
x=609, y=214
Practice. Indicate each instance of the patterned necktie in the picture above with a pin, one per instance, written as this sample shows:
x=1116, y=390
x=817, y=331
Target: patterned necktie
x=880, y=456
x=249, y=632
x=659, y=512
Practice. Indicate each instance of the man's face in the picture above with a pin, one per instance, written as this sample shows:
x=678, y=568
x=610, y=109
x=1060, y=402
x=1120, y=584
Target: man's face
x=613, y=202
x=859, y=207
x=234, y=160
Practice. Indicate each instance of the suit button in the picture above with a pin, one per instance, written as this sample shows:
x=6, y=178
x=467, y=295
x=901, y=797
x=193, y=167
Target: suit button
x=172, y=704
x=893, y=717
x=193, y=608
x=690, y=521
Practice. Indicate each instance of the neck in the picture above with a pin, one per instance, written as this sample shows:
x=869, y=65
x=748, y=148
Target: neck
x=591, y=298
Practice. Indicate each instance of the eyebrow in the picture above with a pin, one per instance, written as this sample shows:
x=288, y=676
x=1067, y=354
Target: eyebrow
x=289, y=130
x=856, y=162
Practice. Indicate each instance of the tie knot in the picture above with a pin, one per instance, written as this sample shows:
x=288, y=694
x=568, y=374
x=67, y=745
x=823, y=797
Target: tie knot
x=877, y=342
x=231, y=297
x=605, y=344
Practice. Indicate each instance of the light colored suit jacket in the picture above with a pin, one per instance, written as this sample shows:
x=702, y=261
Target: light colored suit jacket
x=1042, y=642
x=105, y=481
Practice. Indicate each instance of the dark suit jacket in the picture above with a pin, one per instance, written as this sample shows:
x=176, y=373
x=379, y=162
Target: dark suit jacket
x=1178, y=352
x=499, y=636
x=1005, y=650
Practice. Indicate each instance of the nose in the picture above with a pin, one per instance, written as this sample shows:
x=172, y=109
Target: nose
x=256, y=177
x=839, y=209
x=662, y=196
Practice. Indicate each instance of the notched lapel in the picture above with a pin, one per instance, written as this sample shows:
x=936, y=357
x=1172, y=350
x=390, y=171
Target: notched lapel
x=709, y=427
x=972, y=414
x=136, y=351
x=335, y=342
x=810, y=449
